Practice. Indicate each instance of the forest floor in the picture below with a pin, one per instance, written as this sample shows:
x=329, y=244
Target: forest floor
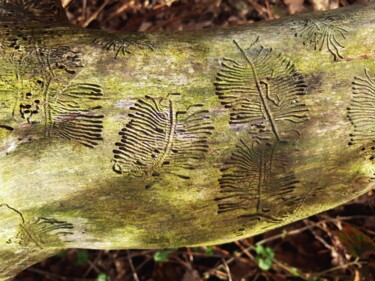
x=334, y=245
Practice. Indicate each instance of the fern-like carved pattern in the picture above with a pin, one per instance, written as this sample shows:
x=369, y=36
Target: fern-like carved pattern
x=43, y=231
x=262, y=91
x=161, y=139
x=361, y=112
x=121, y=45
x=39, y=232
x=72, y=114
x=323, y=33
x=43, y=79
x=254, y=180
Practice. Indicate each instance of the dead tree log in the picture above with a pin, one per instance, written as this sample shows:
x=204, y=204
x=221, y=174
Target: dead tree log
x=115, y=140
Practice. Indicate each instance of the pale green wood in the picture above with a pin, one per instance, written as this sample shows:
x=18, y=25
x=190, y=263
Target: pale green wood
x=220, y=136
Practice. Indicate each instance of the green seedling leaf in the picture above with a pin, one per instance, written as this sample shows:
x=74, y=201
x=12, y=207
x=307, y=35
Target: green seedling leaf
x=264, y=257
x=357, y=243
x=209, y=250
x=162, y=256
x=82, y=257
x=102, y=277
x=295, y=272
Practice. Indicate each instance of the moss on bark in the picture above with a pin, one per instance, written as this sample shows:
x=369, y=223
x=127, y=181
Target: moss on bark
x=114, y=140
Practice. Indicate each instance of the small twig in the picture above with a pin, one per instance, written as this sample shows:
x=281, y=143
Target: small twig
x=293, y=271
x=190, y=254
x=66, y=3
x=84, y=9
x=95, y=14
x=219, y=274
x=269, y=10
x=56, y=276
x=244, y=250
x=322, y=241
x=147, y=260
x=260, y=9
x=229, y=261
x=322, y=273
x=204, y=255
x=227, y=270
x=222, y=251
x=302, y=229
x=92, y=265
x=187, y=265
x=135, y=275
x=119, y=10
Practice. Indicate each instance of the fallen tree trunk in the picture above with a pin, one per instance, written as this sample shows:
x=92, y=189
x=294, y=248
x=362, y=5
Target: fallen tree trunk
x=113, y=140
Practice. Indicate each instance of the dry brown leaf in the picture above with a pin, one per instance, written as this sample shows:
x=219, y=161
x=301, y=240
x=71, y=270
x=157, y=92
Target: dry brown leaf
x=357, y=276
x=294, y=6
x=357, y=243
x=323, y=5
x=191, y=275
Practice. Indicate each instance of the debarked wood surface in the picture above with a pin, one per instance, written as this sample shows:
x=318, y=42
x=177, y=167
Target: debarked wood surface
x=116, y=140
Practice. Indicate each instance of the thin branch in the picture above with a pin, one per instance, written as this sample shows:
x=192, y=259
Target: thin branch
x=95, y=14
x=135, y=275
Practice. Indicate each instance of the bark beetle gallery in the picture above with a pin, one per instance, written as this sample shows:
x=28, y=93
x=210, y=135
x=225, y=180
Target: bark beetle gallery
x=112, y=140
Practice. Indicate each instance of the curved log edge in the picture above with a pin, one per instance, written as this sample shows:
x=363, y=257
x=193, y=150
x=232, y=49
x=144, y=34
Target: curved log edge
x=116, y=140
